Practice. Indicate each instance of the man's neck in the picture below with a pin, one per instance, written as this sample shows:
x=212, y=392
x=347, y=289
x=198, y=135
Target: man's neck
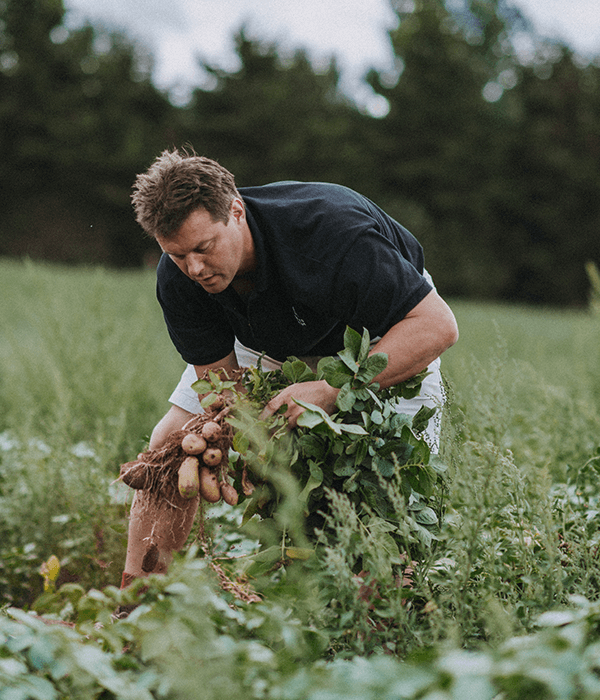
x=243, y=285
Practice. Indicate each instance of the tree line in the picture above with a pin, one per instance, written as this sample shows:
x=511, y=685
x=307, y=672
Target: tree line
x=489, y=152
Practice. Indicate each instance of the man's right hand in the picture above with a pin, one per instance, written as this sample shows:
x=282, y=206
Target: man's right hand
x=319, y=393
x=174, y=419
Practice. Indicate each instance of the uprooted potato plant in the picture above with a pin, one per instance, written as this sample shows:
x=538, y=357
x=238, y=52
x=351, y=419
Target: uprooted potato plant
x=373, y=457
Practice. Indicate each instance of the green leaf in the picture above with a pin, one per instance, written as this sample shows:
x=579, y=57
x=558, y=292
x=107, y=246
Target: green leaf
x=241, y=442
x=314, y=480
x=422, y=418
x=342, y=468
x=347, y=358
x=399, y=420
x=315, y=471
x=352, y=428
x=312, y=446
x=301, y=553
x=352, y=343
x=365, y=346
x=384, y=466
x=201, y=386
x=264, y=560
x=346, y=398
x=214, y=378
x=437, y=465
x=335, y=373
x=377, y=417
x=422, y=479
x=350, y=485
x=400, y=448
x=373, y=396
x=309, y=418
x=411, y=387
x=372, y=366
x=297, y=371
x=426, y=516
x=312, y=409
x=251, y=509
x=361, y=453
x=425, y=536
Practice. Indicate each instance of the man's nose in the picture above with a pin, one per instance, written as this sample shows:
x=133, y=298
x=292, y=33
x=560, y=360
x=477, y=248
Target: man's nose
x=195, y=265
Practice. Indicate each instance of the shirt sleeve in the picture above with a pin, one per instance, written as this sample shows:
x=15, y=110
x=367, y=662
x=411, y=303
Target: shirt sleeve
x=195, y=322
x=375, y=286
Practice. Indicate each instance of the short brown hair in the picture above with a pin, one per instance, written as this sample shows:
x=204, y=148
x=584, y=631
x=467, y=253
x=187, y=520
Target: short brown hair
x=176, y=185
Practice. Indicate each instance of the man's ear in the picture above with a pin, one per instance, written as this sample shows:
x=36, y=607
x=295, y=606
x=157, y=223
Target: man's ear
x=238, y=210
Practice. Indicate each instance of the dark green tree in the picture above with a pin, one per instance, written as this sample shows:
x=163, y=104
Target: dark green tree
x=437, y=146
x=79, y=116
x=277, y=118
x=493, y=155
x=551, y=210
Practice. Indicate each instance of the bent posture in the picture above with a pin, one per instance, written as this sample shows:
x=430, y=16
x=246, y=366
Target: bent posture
x=279, y=269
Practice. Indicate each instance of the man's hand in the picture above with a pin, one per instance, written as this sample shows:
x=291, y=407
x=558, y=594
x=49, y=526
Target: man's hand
x=319, y=393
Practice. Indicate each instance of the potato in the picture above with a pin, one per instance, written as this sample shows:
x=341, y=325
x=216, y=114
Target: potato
x=211, y=431
x=193, y=444
x=212, y=456
x=150, y=559
x=134, y=474
x=230, y=495
x=247, y=485
x=188, y=480
x=217, y=404
x=209, y=486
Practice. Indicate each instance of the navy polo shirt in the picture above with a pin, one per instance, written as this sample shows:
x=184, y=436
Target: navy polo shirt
x=327, y=258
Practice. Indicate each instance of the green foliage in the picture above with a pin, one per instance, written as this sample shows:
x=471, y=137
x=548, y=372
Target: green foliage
x=76, y=403
x=366, y=450
x=185, y=636
x=276, y=118
x=502, y=604
x=79, y=117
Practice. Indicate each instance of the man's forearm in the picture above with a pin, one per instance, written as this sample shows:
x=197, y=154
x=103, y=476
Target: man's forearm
x=416, y=341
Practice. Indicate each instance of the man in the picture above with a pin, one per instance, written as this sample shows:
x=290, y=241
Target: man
x=280, y=269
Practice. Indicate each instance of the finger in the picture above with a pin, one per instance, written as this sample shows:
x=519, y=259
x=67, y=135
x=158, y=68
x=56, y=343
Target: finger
x=266, y=413
x=271, y=408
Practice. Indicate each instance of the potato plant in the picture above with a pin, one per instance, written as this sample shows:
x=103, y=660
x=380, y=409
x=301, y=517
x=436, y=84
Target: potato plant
x=367, y=451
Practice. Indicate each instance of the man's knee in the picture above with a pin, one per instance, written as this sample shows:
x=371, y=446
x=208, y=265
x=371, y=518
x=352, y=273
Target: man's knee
x=174, y=419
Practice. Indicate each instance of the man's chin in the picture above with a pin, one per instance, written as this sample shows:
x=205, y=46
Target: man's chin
x=213, y=285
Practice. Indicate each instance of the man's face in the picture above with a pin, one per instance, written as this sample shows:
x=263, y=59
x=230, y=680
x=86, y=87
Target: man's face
x=212, y=253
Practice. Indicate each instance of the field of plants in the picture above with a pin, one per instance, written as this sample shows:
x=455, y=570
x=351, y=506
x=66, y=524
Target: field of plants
x=494, y=595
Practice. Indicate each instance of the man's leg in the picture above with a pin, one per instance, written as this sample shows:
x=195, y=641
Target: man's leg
x=157, y=528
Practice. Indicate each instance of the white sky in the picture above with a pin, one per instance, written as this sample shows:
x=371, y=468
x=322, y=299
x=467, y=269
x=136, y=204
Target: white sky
x=178, y=31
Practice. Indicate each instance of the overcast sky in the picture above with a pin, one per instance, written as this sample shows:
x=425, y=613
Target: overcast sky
x=354, y=30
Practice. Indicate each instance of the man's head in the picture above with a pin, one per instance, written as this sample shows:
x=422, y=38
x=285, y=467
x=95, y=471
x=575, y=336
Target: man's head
x=176, y=185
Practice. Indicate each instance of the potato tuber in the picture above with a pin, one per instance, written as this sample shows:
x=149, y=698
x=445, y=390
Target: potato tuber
x=150, y=559
x=211, y=431
x=209, y=486
x=217, y=404
x=193, y=444
x=134, y=474
x=230, y=495
x=188, y=479
x=212, y=456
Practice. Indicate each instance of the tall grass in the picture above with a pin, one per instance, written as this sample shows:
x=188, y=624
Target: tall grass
x=87, y=366
x=86, y=369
